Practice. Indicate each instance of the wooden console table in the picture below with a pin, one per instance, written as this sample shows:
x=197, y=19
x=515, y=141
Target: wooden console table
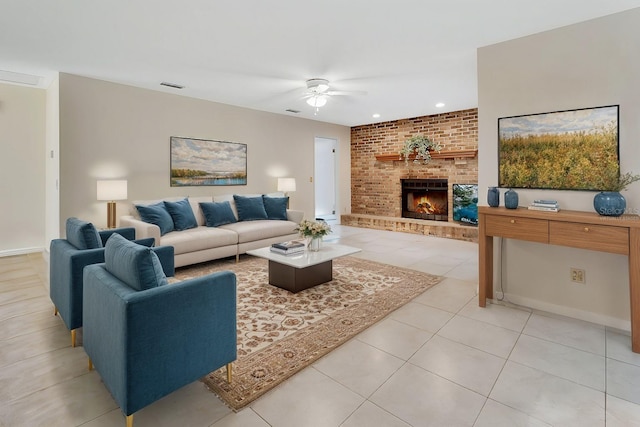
x=584, y=230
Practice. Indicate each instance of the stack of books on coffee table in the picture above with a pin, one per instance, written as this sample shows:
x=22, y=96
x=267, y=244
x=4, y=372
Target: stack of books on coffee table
x=545, y=205
x=289, y=247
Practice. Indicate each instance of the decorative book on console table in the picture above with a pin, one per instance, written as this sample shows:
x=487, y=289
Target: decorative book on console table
x=545, y=205
x=289, y=247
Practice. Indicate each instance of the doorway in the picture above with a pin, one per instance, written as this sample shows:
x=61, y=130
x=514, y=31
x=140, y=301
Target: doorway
x=325, y=178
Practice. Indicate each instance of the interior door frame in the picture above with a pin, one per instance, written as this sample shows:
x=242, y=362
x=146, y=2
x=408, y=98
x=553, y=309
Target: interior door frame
x=334, y=142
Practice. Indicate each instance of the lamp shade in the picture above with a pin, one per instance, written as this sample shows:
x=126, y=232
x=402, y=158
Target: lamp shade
x=112, y=190
x=286, y=184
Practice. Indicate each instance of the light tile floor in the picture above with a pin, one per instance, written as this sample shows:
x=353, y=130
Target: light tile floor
x=438, y=361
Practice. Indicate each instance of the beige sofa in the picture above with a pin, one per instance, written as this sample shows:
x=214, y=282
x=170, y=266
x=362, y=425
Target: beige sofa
x=208, y=243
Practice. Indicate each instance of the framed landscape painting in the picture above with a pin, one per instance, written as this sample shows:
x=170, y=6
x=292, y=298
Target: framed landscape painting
x=201, y=162
x=562, y=150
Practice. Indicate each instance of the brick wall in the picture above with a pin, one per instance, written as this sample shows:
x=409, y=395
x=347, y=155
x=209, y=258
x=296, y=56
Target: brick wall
x=375, y=185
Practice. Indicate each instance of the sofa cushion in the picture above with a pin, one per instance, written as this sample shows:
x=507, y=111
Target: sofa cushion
x=250, y=208
x=136, y=265
x=181, y=214
x=216, y=214
x=276, y=207
x=227, y=198
x=198, y=239
x=133, y=208
x=251, y=231
x=82, y=234
x=156, y=214
x=195, y=207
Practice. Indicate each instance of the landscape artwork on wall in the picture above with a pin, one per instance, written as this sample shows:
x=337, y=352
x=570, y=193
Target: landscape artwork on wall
x=563, y=150
x=200, y=162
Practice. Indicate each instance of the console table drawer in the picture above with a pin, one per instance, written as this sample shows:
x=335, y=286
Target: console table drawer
x=533, y=230
x=588, y=236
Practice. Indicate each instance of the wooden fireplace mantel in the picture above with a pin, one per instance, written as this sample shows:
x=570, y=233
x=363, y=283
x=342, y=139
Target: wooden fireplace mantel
x=450, y=154
x=584, y=230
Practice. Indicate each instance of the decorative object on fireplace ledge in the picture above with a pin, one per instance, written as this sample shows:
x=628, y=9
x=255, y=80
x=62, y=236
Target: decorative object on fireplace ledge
x=493, y=197
x=610, y=202
x=420, y=146
x=511, y=199
x=446, y=154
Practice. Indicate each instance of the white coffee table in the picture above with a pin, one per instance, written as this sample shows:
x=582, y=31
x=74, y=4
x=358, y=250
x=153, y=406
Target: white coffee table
x=304, y=270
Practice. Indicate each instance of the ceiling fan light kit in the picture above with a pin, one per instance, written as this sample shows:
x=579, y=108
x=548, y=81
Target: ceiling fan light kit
x=317, y=101
x=318, y=92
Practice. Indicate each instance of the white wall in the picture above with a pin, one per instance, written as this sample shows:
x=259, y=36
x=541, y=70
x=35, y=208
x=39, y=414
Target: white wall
x=109, y=130
x=52, y=165
x=590, y=64
x=22, y=165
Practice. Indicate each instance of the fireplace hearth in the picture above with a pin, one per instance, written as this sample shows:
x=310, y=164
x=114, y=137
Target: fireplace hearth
x=425, y=199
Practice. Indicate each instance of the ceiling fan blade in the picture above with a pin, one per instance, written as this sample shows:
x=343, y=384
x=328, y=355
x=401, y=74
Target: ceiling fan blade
x=346, y=92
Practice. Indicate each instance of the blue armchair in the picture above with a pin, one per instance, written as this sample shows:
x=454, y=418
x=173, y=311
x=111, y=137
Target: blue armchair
x=83, y=246
x=145, y=338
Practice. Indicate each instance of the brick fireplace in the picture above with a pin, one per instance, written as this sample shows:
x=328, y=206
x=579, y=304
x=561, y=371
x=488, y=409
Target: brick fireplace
x=377, y=172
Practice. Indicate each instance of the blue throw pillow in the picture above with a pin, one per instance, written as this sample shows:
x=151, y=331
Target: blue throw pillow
x=82, y=234
x=250, y=208
x=156, y=214
x=276, y=207
x=216, y=214
x=136, y=265
x=182, y=214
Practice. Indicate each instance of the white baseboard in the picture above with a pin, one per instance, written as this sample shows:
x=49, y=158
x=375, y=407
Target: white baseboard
x=563, y=310
x=22, y=251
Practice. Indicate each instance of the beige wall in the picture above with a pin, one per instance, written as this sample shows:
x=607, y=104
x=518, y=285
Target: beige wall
x=589, y=64
x=52, y=167
x=109, y=130
x=22, y=166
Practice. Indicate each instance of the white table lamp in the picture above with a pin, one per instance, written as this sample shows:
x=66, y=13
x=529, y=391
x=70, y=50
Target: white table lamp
x=285, y=185
x=111, y=191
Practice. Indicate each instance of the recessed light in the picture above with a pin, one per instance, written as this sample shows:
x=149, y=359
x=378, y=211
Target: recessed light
x=376, y=115
x=440, y=105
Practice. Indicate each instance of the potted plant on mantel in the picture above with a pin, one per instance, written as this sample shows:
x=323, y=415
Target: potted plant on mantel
x=609, y=202
x=421, y=147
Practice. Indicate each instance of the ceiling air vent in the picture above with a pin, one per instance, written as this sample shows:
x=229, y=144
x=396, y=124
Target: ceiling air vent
x=289, y=110
x=173, y=85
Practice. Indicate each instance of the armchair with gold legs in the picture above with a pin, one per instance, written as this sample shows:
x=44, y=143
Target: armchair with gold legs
x=84, y=245
x=147, y=338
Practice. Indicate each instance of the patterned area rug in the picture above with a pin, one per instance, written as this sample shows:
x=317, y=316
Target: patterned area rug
x=280, y=333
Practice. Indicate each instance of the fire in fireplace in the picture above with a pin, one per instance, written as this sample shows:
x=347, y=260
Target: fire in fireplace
x=425, y=199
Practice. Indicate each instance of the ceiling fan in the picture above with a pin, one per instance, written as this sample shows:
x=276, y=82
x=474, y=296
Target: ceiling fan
x=318, y=92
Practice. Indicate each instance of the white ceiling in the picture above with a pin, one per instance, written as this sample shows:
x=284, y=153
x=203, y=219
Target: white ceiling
x=406, y=54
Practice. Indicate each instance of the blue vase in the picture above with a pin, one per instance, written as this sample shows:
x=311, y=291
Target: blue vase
x=493, y=197
x=511, y=199
x=609, y=203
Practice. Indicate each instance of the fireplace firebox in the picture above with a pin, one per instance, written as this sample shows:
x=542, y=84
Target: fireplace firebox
x=425, y=199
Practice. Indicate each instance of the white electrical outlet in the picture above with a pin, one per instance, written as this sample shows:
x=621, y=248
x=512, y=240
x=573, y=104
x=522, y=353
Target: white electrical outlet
x=577, y=275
